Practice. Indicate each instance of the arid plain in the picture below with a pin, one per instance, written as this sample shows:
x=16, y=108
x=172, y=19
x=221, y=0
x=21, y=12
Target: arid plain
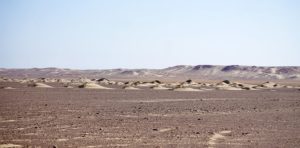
x=100, y=112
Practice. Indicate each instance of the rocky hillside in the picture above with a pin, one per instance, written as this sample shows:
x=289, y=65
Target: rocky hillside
x=180, y=71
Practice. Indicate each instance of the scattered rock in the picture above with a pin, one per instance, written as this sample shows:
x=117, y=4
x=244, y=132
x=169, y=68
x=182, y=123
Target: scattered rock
x=227, y=81
x=245, y=133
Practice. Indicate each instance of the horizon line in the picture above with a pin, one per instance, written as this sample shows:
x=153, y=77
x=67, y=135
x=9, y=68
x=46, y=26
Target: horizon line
x=143, y=67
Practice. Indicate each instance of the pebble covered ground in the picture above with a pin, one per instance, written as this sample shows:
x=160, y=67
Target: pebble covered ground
x=74, y=117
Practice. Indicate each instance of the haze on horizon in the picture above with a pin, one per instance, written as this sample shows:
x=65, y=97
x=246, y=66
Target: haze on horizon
x=148, y=34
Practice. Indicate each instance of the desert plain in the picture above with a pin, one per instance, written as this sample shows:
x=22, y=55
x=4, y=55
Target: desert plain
x=86, y=112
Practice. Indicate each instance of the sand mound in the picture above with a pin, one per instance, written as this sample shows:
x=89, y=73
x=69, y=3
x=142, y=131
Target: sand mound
x=81, y=80
x=130, y=88
x=129, y=83
x=119, y=83
x=103, y=80
x=181, y=88
x=289, y=86
x=228, y=85
x=270, y=85
x=68, y=86
x=3, y=79
x=106, y=81
x=173, y=84
x=7, y=87
x=89, y=85
x=76, y=84
x=159, y=87
x=220, y=84
x=146, y=84
x=46, y=80
x=190, y=82
x=206, y=84
x=156, y=82
x=9, y=145
x=137, y=83
x=24, y=81
x=63, y=81
x=229, y=88
x=39, y=85
x=243, y=86
x=226, y=82
x=225, y=86
x=205, y=89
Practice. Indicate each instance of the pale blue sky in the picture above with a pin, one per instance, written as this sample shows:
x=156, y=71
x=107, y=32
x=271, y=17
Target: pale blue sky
x=104, y=34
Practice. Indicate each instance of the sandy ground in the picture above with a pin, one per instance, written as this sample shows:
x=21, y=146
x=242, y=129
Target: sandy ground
x=73, y=117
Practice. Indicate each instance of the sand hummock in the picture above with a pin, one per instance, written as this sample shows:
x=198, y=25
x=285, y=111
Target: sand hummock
x=9, y=145
x=156, y=82
x=269, y=84
x=130, y=88
x=120, y=83
x=159, y=87
x=182, y=88
x=103, y=80
x=81, y=80
x=7, y=87
x=90, y=85
x=226, y=82
x=146, y=84
x=190, y=82
x=129, y=83
x=185, y=89
x=68, y=86
x=228, y=85
x=45, y=80
x=39, y=85
x=63, y=81
x=3, y=79
x=229, y=88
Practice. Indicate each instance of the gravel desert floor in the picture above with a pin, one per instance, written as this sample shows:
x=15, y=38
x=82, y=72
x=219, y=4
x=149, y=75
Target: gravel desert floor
x=73, y=117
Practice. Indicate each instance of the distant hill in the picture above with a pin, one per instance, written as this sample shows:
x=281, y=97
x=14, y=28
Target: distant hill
x=180, y=71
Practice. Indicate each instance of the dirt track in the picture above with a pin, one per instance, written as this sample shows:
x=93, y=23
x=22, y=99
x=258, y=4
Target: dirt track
x=63, y=117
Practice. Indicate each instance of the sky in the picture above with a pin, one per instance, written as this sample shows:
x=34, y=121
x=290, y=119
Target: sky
x=106, y=34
